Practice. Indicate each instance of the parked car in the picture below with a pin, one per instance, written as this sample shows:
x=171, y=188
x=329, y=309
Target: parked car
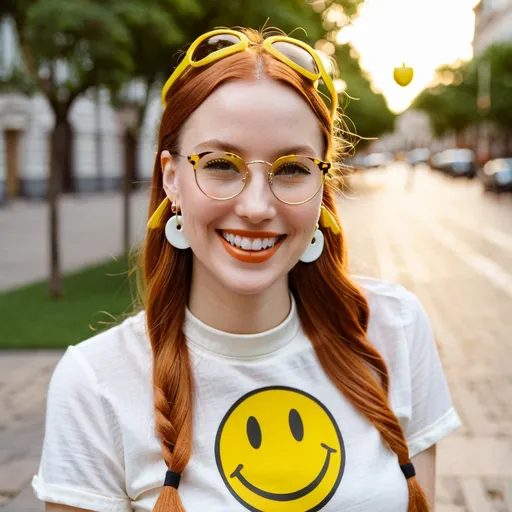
x=418, y=156
x=455, y=162
x=379, y=159
x=355, y=163
x=496, y=175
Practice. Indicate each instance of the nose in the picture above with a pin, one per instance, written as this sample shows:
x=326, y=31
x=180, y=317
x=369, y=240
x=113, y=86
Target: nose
x=256, y=203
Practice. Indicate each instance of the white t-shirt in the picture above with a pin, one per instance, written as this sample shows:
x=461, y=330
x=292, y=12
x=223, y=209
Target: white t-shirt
x=271, y=432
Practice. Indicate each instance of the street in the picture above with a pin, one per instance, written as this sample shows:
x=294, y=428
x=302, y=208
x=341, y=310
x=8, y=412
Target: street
x=443, y=239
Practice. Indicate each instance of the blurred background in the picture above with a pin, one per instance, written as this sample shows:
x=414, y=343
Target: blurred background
x=427, y=202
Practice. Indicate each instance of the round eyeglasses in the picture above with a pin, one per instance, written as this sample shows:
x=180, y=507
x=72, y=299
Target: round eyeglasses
x=293, y=179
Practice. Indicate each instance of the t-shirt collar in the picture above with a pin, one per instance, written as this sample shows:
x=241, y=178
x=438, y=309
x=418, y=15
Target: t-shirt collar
x=242, y=345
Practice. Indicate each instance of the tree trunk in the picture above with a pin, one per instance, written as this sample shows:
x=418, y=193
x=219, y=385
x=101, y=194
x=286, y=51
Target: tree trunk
x=130, y=159
x=98, y=141
x=67, y=165
x=58, y=159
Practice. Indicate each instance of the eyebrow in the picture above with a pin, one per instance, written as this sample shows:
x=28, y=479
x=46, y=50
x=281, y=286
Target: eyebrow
x=301, y=149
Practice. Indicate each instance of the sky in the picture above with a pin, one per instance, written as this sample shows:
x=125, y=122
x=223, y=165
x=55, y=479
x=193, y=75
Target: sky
x=422, y=33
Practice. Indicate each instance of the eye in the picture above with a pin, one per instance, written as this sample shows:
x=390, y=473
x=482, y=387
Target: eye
x=296, y=425
x=292, y=169
x=254, y=432
x=221, y=165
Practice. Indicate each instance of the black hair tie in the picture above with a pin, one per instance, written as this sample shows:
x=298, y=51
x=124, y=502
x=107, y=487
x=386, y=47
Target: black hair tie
x=408, y=470
x=172, y=479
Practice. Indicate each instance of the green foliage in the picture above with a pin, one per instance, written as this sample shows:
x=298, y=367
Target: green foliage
x=452, y=104
x=109, y=42
x=18, y=81
x=500, y=58
x=89, y=37
x=95, y=298
x=368, y=112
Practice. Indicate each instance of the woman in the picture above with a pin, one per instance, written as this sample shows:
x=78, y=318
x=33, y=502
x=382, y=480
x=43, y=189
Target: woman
x=260, y=375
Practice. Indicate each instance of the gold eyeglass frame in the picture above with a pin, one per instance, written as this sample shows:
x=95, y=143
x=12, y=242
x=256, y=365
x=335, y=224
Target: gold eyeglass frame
x=326, y=217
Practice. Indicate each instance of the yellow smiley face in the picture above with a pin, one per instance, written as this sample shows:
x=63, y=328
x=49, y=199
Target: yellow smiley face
x=280, y=449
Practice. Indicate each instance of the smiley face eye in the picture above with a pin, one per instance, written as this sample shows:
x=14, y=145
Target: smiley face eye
x=254, y=432
x=296, y=425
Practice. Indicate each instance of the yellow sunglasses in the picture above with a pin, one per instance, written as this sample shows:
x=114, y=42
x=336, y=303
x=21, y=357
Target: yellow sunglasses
x=217, y=44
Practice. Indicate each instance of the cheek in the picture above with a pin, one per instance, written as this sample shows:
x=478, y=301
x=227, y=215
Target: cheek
x=303, y=217
x=199, y=212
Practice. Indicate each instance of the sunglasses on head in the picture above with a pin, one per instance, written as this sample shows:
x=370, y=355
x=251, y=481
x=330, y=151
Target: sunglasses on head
x=217, y=44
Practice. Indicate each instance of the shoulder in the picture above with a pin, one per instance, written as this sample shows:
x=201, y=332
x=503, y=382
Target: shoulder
x=398, y=324
x=390, y=304
x=119, y=354
x=125, y=338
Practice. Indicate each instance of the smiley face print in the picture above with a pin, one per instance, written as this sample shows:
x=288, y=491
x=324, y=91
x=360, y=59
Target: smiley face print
x=280, y=449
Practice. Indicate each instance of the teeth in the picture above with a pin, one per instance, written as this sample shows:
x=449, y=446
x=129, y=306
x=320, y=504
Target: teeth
x=249, y=244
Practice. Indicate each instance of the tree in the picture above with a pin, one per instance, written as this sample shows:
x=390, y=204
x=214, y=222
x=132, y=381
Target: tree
x=460, y=99
x=67, y=48
x=499, y=57
x=451, y=104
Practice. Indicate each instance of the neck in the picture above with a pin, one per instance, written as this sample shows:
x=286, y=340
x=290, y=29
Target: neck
x=237, y=313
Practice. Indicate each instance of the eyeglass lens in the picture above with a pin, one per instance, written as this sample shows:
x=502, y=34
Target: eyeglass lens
x=294, y=179
x=298, y=55
x=213, y=44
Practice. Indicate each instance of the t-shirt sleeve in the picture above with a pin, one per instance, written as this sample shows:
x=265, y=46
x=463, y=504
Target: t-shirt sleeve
x=79, y=464
x=432, y=413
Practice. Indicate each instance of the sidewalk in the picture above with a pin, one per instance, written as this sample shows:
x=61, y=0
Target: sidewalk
x=91, y=230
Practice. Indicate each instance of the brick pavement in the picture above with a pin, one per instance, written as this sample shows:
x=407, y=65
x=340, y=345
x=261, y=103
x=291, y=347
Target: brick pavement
x=396, y=236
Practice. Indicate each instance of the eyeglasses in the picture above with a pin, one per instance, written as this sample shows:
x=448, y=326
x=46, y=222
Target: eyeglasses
x=293, y=179
x=217, y=44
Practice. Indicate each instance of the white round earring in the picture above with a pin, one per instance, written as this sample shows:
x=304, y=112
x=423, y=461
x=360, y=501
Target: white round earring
x=174, y=230
x=314, y=249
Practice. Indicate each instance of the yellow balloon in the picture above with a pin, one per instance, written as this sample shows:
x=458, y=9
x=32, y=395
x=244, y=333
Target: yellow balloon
x=403, y=76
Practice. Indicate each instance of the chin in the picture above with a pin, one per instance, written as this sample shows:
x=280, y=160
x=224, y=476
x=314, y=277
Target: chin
x=249, y=282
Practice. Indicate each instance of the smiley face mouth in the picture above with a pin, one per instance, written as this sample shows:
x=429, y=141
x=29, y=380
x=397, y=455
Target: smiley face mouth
x=289, y=495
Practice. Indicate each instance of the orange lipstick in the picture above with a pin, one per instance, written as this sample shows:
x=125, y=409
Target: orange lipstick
x=251, y=256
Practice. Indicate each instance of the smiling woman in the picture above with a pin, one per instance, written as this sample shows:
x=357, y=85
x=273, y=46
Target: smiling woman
x=260, y=375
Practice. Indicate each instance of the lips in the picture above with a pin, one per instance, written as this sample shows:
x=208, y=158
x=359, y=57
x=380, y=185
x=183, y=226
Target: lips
x=250, y=246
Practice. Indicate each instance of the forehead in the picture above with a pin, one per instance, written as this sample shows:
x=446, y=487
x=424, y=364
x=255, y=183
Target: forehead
x=262, y=117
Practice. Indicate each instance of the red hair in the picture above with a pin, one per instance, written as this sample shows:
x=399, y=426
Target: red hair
x=336, y=327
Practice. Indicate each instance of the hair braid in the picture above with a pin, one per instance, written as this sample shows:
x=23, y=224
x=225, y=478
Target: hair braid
x=166, y=297
x=351, y=362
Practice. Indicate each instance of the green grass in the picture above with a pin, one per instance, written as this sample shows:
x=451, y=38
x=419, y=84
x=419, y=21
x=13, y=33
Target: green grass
x=29, y=318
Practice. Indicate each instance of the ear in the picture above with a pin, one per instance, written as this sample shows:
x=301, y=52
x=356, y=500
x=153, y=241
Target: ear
x=168, y=164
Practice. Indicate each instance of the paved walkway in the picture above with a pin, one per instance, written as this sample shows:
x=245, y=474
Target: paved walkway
x=445, y=241
x=91, y=230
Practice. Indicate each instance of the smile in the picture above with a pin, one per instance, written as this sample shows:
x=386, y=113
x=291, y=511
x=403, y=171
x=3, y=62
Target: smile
x=250, y=246
x=290, y=495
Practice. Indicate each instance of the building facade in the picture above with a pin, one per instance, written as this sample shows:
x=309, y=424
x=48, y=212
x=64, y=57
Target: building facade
x=493, y=24
x=26, y=124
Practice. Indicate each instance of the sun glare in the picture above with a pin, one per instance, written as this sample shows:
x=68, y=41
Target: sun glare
x=423, y=34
